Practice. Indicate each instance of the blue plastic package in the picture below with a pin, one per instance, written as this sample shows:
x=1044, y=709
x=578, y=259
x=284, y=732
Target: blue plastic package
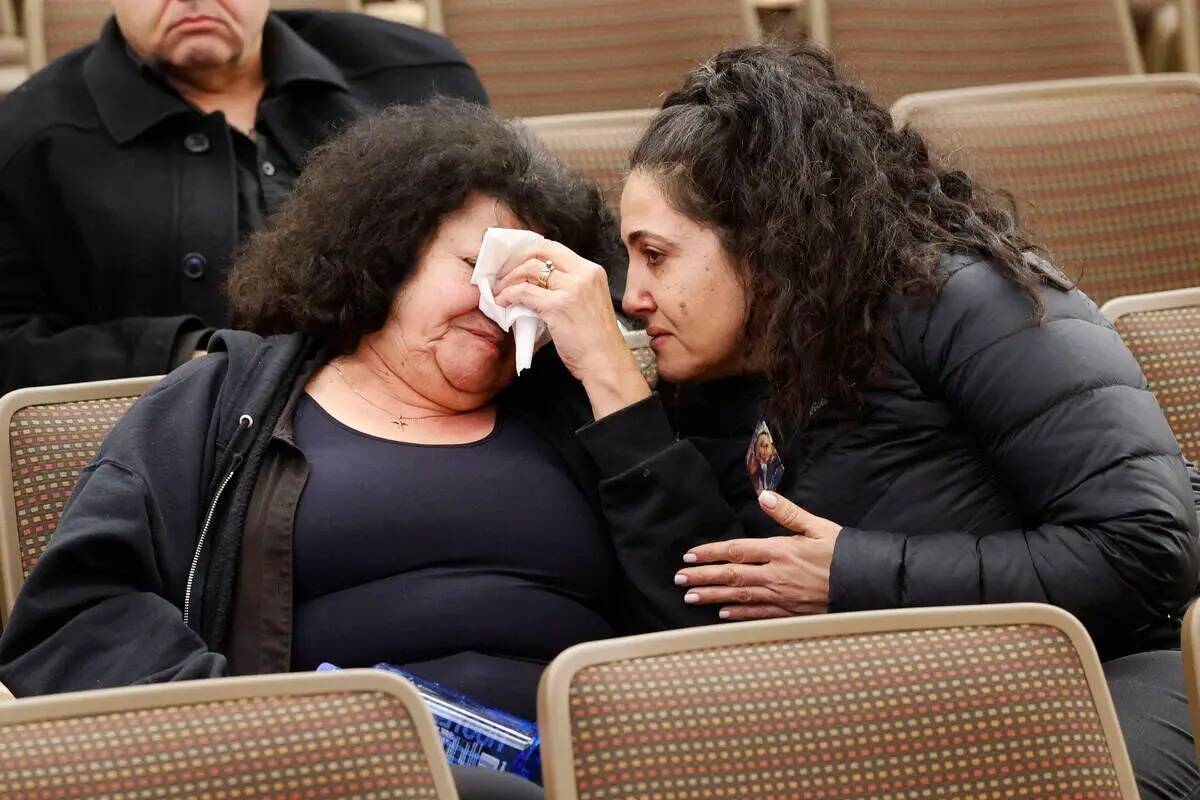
x=475, y=734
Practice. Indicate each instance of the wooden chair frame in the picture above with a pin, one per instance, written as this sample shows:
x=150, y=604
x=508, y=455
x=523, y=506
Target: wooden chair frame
x=8, y=18
x=554, y=713
x=1189, y=34
x=139, y=698
x=11, y=576
x=818, y=20
x=908, y=106
x=35, y=34
x=1191, y=666
x=1119, y=307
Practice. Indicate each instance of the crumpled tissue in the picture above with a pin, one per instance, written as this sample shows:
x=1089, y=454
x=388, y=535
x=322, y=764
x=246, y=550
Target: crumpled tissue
x=528, y=330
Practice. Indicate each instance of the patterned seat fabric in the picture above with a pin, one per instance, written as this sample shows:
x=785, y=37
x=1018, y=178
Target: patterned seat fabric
x=988, y=711
x=1167, y=345
x=596, y=146
x=899, y=47
x=647, y=364
x=346, y=745
x=50, y=445
x=563, y=56
x=72, y=23
x=1107, y=181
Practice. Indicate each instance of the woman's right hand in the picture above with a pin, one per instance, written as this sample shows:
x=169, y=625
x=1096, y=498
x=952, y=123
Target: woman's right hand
x=577, y=308
x=780, y=576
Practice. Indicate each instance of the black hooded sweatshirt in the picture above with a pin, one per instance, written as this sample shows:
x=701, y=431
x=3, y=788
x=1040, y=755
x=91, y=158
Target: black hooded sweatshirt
x=140, y=582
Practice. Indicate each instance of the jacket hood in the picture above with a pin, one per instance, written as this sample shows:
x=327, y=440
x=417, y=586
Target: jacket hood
x=255, y=370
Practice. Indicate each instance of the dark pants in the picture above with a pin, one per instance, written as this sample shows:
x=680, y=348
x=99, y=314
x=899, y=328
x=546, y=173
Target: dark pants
x=1150, y=696
x=476, y=783
x=1148, y=691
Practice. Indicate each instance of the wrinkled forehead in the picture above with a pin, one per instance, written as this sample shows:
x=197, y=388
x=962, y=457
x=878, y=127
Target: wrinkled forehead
x=463, y=229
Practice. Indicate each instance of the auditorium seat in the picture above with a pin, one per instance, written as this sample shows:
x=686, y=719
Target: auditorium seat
x=13, y=50
x=48, y=434
x=914, y=703
x=351, y=734
x=1144, y=13
x=596, y=145
x=898, y=47
x=1106, y=172
x=1162, y=330
x=55, y=27
x=1161, y=36
x=538, y=57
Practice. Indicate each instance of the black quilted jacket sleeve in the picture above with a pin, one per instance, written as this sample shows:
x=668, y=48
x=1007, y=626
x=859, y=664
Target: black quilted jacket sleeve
x=1063, y=415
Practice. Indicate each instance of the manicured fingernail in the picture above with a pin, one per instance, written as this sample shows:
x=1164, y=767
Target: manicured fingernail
x=691, y=597
x=689, y=558
x=768, y=499
x=723, y=614
x=680, y=579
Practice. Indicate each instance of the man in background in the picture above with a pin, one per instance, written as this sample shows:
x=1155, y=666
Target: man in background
x=130, y=169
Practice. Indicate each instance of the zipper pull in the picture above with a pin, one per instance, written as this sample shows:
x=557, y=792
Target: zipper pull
x=245, y=422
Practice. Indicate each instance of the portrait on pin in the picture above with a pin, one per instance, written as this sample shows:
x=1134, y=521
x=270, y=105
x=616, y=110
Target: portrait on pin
x=762, y=460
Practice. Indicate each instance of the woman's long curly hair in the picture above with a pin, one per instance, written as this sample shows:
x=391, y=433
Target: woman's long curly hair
x=330, y=262
x=826, y=208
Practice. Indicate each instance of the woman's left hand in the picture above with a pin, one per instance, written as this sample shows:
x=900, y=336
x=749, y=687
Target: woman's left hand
x=577, y=308
x=781, y=576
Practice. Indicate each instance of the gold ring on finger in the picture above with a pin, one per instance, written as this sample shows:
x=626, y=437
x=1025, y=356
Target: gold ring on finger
x=544, y=276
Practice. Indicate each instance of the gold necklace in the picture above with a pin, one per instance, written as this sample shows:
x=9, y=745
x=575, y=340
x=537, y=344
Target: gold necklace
x=402, y=422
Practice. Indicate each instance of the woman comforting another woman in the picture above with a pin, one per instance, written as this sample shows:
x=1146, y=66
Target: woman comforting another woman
x=956, y=423
x=371, y=481
x=944, y=418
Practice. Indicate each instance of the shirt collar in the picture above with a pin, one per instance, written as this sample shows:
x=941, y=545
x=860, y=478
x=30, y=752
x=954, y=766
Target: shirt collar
x=131, y=97
x=289, y=59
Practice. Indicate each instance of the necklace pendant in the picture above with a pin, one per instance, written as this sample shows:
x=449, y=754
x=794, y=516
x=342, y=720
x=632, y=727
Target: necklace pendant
x=403, y=425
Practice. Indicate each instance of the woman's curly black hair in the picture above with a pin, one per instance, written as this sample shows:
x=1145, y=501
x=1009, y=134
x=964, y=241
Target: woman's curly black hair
x=330, y=261
x=828, y=210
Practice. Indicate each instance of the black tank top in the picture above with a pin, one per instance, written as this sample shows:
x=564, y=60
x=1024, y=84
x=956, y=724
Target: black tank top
x=472, y=565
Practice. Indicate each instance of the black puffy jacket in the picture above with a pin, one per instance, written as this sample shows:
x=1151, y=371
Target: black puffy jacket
x=995, y=460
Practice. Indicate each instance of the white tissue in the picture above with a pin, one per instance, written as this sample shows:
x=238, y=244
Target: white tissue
x=527, y=327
